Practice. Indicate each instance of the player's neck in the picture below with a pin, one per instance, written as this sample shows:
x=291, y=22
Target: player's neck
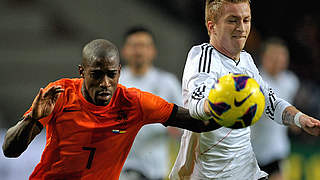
x=85, y=94
x=233, y=55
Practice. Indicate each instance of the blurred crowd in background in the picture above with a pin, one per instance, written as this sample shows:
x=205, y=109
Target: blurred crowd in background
x=41, y=41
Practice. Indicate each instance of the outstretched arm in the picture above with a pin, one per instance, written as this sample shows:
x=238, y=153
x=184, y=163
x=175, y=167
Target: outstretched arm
x=19, y=136
x=309, y=124
x=181, y=118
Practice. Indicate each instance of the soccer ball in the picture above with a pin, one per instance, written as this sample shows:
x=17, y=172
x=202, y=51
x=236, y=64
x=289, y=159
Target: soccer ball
x=236, y=101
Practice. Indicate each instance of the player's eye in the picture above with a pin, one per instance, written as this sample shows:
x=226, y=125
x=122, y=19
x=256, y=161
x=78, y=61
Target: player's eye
x=232, y=20
x=112, y=74
x=247, y=20
x=96, y=75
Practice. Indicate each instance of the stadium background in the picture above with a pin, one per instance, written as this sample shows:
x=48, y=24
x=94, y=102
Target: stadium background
x=41, y=41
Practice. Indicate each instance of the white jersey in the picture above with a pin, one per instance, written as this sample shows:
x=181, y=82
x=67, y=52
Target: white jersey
x=264, y=132
x=150, y=151
x=223, y=153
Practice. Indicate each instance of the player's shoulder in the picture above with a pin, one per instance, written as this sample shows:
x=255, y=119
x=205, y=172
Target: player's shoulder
x=131, y=96
x=66, y=82
x=245, y=55
x=201, y=58
x=71, y=87
x=195, y=55
x=204, y=51
x=128, y=94
x=246, y=58
x=198, y=49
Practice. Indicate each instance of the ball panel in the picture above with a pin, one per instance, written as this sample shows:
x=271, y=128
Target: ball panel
x=236, y=101
x=249, y=115
x=219, y=108
x=240, y=82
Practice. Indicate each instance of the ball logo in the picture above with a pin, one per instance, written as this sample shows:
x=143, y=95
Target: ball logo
x=237, y=104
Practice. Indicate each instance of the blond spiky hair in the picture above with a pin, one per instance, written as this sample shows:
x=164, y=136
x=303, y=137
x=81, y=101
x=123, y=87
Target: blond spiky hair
x=214, y=8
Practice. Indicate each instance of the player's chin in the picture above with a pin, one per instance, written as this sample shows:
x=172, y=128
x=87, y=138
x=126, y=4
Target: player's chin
x=102, y=101
x=239, y=45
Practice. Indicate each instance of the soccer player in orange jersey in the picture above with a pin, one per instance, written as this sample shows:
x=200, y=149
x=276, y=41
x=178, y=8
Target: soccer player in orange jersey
x=91, y=122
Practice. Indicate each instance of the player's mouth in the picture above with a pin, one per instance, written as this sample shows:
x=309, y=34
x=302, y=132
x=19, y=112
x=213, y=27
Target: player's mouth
x=104, y=95
x=239, y=37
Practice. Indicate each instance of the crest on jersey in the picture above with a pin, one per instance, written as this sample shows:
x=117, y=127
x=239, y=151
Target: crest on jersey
x=122, y=120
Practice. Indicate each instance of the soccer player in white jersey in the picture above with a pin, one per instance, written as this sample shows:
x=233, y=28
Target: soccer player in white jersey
x=150, y=154
x=270, y=140
x=226, y=153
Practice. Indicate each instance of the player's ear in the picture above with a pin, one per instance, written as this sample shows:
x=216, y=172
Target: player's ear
x=81, y=70
x=119, y=68
x=211, y=27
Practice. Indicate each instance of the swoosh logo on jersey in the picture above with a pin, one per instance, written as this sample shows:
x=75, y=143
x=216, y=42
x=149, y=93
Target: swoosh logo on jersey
x=239, y=103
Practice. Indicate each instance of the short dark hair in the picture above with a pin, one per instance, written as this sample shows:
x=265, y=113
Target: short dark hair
x=138, y=29
x=100, y=48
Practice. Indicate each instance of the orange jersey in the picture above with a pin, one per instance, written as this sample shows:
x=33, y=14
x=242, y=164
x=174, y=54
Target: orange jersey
x=89, y=142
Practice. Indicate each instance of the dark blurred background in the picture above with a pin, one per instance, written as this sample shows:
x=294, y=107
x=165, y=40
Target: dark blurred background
x=41, y=41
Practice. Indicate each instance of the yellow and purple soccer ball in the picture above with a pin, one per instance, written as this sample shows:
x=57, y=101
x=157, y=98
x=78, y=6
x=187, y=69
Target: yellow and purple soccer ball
x=236, y=101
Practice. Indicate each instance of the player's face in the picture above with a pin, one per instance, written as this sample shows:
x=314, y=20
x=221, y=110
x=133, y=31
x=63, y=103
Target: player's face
x=232, y=29
x=101, y=78
x=139, y=50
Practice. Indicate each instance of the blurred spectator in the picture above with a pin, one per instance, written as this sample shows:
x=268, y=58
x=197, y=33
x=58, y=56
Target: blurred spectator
x=149, y=157
x=270, y=140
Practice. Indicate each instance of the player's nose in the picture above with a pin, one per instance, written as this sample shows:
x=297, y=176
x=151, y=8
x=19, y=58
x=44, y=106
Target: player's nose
x=105, y=82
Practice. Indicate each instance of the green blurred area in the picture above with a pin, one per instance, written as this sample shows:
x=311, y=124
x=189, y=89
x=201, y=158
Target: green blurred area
x=304, y=160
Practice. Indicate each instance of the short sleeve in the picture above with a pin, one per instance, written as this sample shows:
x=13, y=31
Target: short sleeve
x=154, y=109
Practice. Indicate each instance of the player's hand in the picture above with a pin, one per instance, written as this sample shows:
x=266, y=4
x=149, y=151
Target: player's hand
x=310, y=125
x=44, y=102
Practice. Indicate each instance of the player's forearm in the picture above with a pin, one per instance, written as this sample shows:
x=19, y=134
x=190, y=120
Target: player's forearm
x=199, y=109
x=19, y=137
x=288, y=115
x=182, y=119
